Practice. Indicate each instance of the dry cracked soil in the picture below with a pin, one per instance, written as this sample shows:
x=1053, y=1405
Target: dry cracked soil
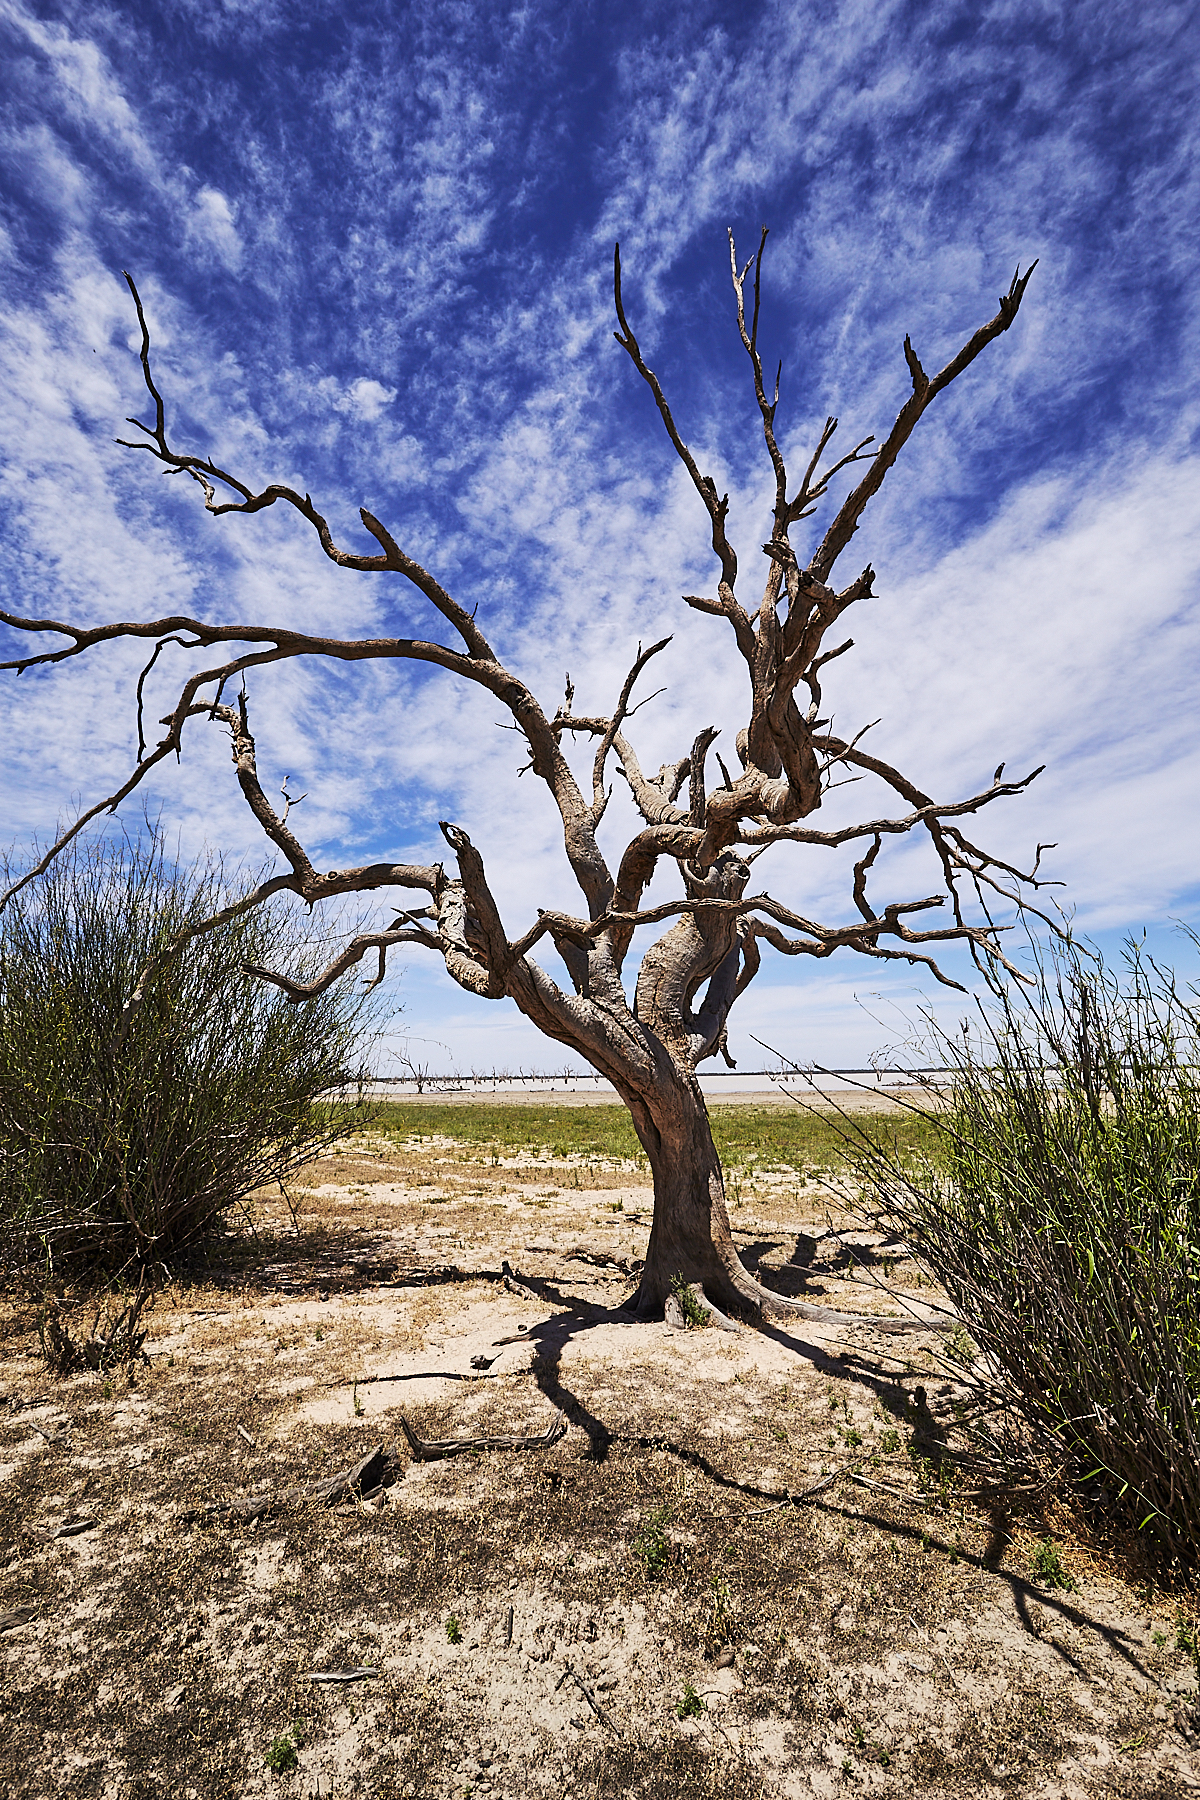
x=750, y=1567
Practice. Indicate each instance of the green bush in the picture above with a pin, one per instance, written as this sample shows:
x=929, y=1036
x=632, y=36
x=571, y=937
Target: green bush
x=1062, y=1216
x=119, y=1144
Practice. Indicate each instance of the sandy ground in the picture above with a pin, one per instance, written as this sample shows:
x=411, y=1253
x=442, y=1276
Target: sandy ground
x=751, y=1566
x=864, y=1098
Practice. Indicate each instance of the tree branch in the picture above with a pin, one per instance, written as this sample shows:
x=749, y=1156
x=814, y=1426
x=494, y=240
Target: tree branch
x=207, y=474
x=924, y=393
x=705, y=486
x=599, y=797
x=766, y=407
x=298, y=991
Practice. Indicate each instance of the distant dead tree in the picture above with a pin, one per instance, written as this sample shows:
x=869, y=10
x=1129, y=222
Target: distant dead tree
x=650, y=1045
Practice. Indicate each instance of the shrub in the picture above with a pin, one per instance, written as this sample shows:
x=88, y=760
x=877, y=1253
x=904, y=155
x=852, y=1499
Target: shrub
x=118, y=1145
x=1062, y=1215
x=1048, y=1567
x=695, y=1315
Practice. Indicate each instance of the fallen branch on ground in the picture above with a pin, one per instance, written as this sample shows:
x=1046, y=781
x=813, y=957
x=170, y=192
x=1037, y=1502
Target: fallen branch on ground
x=628, y=1265
x=430, y=1449
x=792, y=1499
x=514, y=1284
x=427, y=1277
x=376, y=1470
x=69, y=1528
x=569, y=1673
x=60, y=1439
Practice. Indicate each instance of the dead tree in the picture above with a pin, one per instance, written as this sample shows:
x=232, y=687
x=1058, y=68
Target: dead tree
x=649, y=1045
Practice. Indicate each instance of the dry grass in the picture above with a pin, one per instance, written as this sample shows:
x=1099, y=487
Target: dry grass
x=890, y=1638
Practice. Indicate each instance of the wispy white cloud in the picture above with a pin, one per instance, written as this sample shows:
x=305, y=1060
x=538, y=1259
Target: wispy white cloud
x=213, y=227
x=91, y=93
x=405, y=303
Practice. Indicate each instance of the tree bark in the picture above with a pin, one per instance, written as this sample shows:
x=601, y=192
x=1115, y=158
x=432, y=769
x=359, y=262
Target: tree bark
x=690, y=1234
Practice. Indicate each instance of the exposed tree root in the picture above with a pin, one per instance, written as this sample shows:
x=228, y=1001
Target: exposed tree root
x=430, y=1449
x=779, y=1306
x=739, y=1290
x=675, y=1316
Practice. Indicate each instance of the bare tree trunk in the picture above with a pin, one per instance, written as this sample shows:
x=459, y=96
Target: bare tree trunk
x=690, y=1233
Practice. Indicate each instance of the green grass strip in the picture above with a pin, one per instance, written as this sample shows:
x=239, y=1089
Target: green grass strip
x=745, y=1136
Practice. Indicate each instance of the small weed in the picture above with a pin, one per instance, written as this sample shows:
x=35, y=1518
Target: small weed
x=1160, y=1639
x=1048, y=1565
x=695, y=1316
x=853, y=1437
x=616, y=1206
x=320, y=1334
x=108, y=1390
x=691, y=1705
x=650, y=1545
x=1187, y=1639
x=720, y=1613
x=959, y=1347
x=358, y=1405
x=453, y=1630
x=281, y=1756
x=889, y=1443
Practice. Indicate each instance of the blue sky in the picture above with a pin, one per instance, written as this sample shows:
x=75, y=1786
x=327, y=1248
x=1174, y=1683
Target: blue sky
x=375, y=246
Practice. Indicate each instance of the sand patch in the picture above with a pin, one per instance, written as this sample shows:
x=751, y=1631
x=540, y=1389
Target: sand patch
x=691, y=1591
